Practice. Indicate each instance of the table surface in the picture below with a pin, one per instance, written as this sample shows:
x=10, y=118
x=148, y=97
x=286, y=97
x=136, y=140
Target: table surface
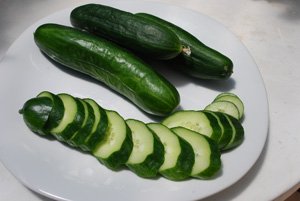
x=270, y=30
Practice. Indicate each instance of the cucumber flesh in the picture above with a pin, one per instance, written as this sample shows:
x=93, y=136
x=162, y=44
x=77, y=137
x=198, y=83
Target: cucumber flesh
x=233, y=99
x=72, y=119
x=237, y=133
x=207, y=155
x=57, y=111
x=225, y=107
x=79, y=137
x=179, y=155
x=194, y=120
x=227, y=130
x=98, y=129
x=148, y=152
x=114, y=149
x=218, y=125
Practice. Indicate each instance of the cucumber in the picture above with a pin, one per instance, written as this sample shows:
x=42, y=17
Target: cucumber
x=198, y=121
x=57, y=111
x=202, y=62
x=72, y=119
x=115, y=148
x=226, y=128
x=98, y=129
x=179, y=155
x=36, y=112
x=230, y=97
x=237, y=133
x=79, y=137
x=117, y=68
x=138, y=34
x=225, y=107
x=207, y=155
x=148, y=152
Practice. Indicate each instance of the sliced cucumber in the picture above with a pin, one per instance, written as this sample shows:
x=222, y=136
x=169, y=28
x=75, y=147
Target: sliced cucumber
x=99, y=127
x=230, y=97
x=207, y=155
x=179, y=155
x=148, y=152
x=72, y=119
x=225, y=94
x=89, y=118
x=237, y=133
x=226, y=129
x=194, y=120
x=36, y=112
x=57, y=111
x=225, y=107
x=114, y=149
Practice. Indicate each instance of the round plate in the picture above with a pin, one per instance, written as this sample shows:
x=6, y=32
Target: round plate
x=57, y=171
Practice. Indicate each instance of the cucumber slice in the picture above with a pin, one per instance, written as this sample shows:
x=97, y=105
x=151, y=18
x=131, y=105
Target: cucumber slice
x=89, y=118
x=115, y=148
x=207, y=154
x=225, y=94
x=148, y=152
x=57, y=111
x=237, y=133
x=225, y=107
x=179, y=155
x=233, y=99
x=99, y=127
x=194, y=120
x=36, y=112
x=226, y=129
x=72, y=119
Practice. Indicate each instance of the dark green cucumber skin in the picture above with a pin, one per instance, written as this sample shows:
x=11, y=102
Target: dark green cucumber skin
x=184, y=166
x=227, y=130
x=204, y=62
x=93, y=139
x=36, y=112
x=74, y=126
x=117, y=160
x=239, y=135
x=80, y=136
x=57, y=111
x=217, y=132
x=106, y=62
x=138, y=34
x=215, y=161
x=150, y=166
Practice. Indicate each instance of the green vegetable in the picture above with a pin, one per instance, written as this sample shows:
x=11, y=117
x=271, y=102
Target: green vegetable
x=197, y=121
x=139, y=34
x=203, y=62
x=115, y=148
x=233, y=98
x=187, y=144
x=99, y=127
x=147, y=154
x=207, y=155
x=222, y=128
x=179, y=154
x=117, y=68
x=36, y=113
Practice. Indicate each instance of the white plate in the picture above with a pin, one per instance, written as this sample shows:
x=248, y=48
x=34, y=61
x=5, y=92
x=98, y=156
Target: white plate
x=57, y=171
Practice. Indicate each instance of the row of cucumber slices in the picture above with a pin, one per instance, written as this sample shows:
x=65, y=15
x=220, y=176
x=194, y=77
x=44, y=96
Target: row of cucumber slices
x=173, y=148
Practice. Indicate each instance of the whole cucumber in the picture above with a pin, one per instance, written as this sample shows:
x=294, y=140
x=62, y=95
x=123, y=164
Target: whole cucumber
x=105, y=61
x=138, y=34
x=202, y=61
